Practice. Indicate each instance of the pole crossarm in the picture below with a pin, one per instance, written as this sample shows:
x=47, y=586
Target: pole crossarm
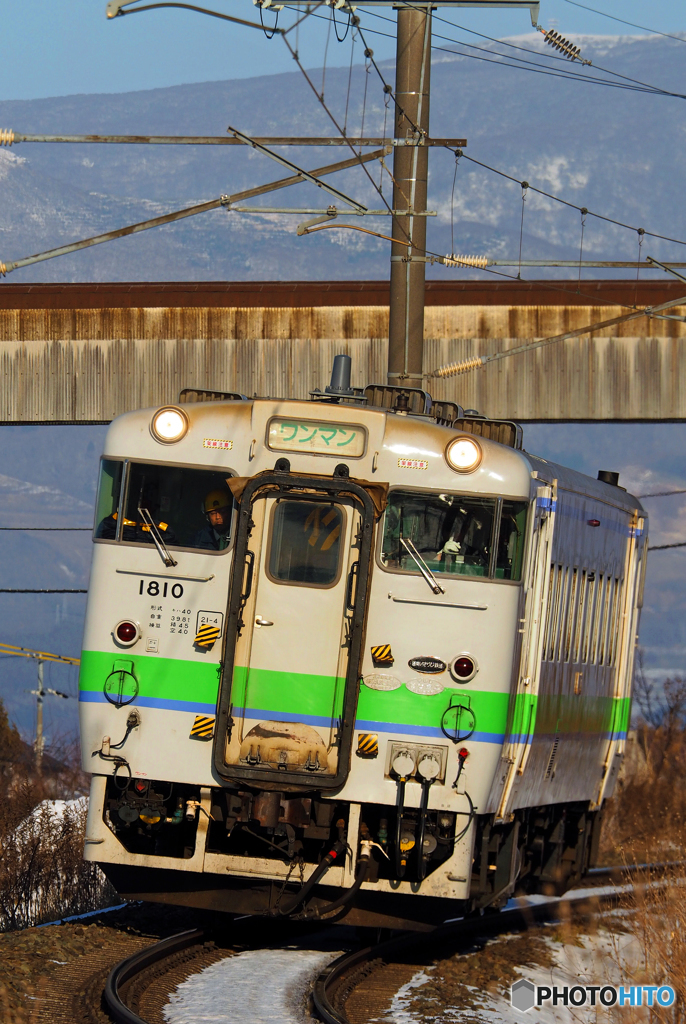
x=293, y=167
x=8, y=137
x=29, y=652
x=474, y=362
x=191, y=211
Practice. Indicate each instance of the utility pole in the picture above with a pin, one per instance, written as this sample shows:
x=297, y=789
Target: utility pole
x=41, y=657
x=40, y=741
x=410, y=173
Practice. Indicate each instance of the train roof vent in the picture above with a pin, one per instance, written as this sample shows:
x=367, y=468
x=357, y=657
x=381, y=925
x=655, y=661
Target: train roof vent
x=190, y=395
x=503, y=431
x=385, y=396
x=445, y=413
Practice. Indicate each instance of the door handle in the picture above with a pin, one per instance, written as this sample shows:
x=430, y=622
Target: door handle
x=259, y=621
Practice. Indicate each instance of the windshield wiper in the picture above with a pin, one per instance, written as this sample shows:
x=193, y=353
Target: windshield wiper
x=155, y=534
x=422, y=566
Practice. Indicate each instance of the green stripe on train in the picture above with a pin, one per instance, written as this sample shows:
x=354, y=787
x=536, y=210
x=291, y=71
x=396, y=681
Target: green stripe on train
x=163, y=678
x=322, y=696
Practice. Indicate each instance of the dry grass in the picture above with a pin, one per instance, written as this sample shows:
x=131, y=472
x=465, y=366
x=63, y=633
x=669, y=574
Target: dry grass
x=43, y=875
x=646, y=819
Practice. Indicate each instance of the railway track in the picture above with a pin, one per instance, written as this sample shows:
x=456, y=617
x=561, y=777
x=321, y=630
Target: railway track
x=138, y=987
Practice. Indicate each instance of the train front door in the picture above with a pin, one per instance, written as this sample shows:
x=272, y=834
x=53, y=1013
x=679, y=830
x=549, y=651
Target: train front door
x=294, y=631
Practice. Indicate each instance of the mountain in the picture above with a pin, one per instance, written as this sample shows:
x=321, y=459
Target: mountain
x=616, y=151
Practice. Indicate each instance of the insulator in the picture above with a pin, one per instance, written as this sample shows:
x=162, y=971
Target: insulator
x=3, y=270
x=451, y=260
x=453, y=369
x=559, y=42
x=6, y=136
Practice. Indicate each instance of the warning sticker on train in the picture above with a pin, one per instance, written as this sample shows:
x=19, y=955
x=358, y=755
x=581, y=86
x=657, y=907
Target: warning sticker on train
x=382, y=654
x=202, y=727
x=216, y=442
x=368, y=744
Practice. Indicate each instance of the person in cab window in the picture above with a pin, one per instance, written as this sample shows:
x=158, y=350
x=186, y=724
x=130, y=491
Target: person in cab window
x=215, y=536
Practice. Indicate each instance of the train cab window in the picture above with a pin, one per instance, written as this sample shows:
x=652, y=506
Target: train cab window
x=455, y=535
x=191, y=508
x=305, y=543
x=511, y=538
x=109, y=491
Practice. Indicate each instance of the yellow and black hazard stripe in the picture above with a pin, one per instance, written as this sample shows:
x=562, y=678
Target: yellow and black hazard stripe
x=203, y=727
x=368, y=744
x=382, y=654
x=207, y=634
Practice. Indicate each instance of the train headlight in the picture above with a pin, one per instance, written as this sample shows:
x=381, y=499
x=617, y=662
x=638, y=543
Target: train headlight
x=169, y=425
x=126, y=633
x=463, y=454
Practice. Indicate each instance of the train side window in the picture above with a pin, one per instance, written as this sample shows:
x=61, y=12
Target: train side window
x=511, y=540
x=305, y=543
x=580, y=616
x=561, y=627
x=571, y=608
x=597, y=620
x=614, y=628
x=548, y=634
x=605, y=621
x=107, y=504
x=557, y=613
x=591, y=586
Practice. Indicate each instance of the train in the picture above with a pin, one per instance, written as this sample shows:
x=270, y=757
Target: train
x=359, y=657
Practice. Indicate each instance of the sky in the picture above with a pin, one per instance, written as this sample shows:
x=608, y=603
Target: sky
x=57, y=49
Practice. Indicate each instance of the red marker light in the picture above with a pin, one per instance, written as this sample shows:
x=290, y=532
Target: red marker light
x=140, y=786
x=463, y=667
x=126, y=632
x=593, y=522
x=463, y=754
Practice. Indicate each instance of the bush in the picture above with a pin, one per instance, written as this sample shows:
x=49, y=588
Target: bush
x=43, y=875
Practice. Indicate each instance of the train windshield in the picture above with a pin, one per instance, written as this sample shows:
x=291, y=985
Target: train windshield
x=455, y=535
x=191, y=508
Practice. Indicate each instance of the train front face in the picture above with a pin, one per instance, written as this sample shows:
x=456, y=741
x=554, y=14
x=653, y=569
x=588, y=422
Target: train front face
x=301, y=636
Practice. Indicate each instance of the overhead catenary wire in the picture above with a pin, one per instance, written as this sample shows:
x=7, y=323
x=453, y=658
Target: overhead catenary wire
x=224, y=201
x=572, y=206
x=633, y=24
x=533, y=66
x=475, y=362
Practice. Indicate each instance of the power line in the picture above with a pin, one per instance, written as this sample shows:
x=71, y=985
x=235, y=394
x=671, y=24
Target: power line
x=663, y=547
x=660, y=494
x=13, y=590
x=541, y=69
x=633, y=24
x=572, y=206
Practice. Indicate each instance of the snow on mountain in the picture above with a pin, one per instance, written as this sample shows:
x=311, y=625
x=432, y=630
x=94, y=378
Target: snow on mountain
x=614, y=150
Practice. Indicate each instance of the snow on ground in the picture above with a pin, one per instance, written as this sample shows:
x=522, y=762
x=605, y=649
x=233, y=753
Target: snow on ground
x=259, y=986
x=588, y=960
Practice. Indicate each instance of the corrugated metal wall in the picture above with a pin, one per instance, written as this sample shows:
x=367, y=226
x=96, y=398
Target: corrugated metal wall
x=90, y=364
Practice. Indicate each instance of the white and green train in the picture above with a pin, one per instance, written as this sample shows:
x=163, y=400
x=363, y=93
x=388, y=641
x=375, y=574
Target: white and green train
x=358, y=657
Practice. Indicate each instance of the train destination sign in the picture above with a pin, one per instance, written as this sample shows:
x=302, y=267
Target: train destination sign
x=294, y=435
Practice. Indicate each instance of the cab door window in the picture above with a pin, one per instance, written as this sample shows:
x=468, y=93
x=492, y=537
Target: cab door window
x=305, y=543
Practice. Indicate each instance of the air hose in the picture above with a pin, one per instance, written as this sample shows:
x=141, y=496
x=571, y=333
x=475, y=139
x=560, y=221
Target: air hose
x=336, y=850
x=345, y=898
x=421, y=861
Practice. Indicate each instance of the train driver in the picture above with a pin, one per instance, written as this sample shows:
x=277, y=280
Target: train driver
x=218, y=506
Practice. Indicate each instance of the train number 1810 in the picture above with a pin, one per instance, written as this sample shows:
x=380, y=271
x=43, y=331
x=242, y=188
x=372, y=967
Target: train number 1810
x=157, y=589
